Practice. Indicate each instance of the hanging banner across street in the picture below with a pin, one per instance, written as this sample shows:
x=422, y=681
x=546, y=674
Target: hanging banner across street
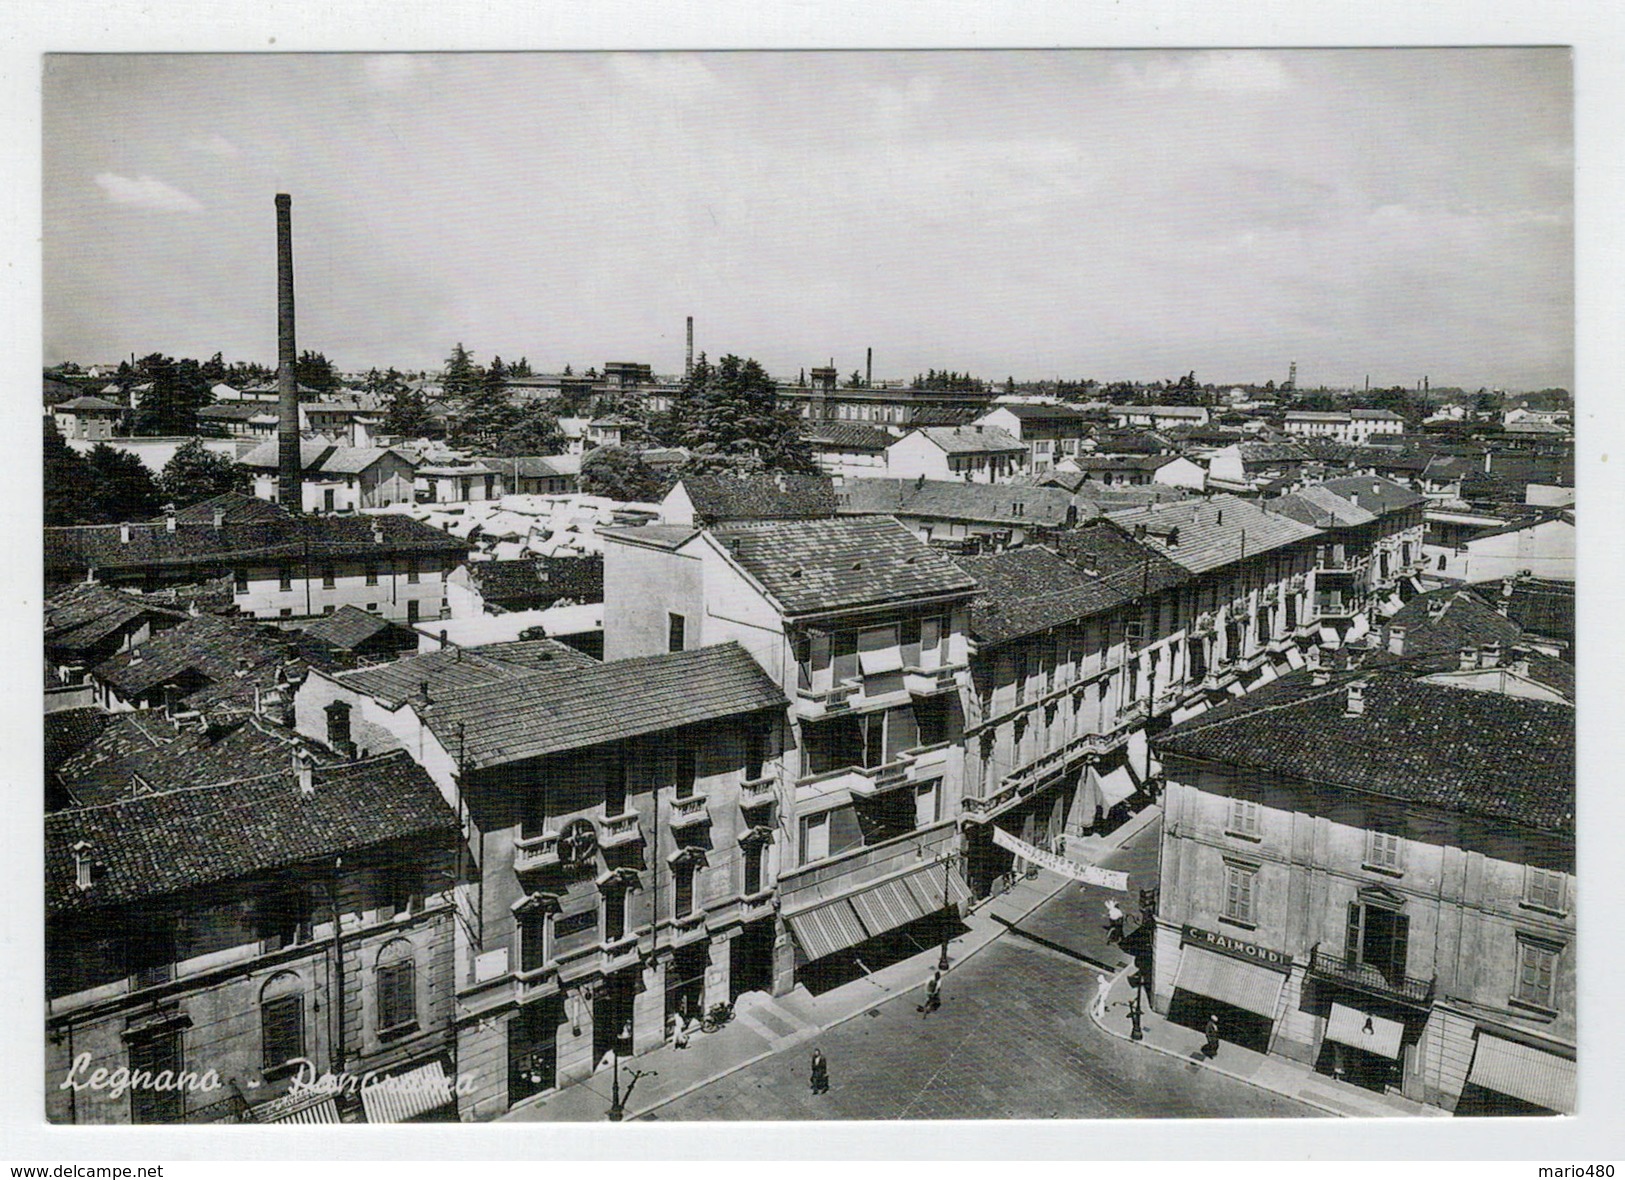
x=1089, y=874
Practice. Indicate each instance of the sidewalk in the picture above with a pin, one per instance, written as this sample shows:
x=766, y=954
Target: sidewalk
x=764, y=1025
x=1291, y=1079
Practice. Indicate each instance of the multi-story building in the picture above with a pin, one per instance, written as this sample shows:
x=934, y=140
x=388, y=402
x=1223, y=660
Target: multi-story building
x=1352, y=426
x=863, y=627
x=1249, y=601
x=1400, y=528
x=896, y=410
x=1158, y=417
x=87, y=418
x=1375, y=876
x=620, y=818
x=240, y=419
x=212, y=941
x=847, y=449
x=1051, y=433
x=280, y=566
x=1070, y=655
x=723, y=497
x=972, y=454
x=965, y=516
x=336, y=478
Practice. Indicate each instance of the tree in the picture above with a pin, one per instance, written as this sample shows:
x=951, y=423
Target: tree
x=1485, y=402
x=856, y=380
x=462, y=375
x=315, y=371
x=408, y=415
x=618, y=474
x=68, y=481
x=214, y=369
x=488, y=412
x=733, y=409
x=176, y=391
x=535, y=433
x=195, y=473
x=521, y=368
x=121, y=487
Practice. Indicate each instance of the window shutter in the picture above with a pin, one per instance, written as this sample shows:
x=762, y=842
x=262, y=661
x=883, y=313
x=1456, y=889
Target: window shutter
x=1351, y=940
x=1401, y=946
x=282, y=1026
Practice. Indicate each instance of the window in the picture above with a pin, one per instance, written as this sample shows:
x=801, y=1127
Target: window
x=1544, y=889
x=675, y=626
x=328, y=578
x=328, y=609
x=846, y=655
x=155, y=1054
x=284, y=577
x=830, y=833
x=412, y=570
x=683, y=903
x=755, y=751
x=1246, y=818
x=1382, y=851
x=615, y=776
x=286, y=612
x=684, y=767
x=150, y=953
x=533, y=938
x=615, y=915
x=400, y=890
x=1240, y=883
x=372, y=574
x=931, y=719
x=926, y=803
x=284, y=919
x=397, y=988
x=753, y=868
x=1378, y=935
x=240, y=580
x=1537, y=974
x=412, y=609
x=327, y=500
x=338, y=724
x=282, y=1031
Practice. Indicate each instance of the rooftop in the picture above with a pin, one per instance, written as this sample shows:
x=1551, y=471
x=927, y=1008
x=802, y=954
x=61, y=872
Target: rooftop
x=81, y=616
x=769, y=495
x=531, y=716
x=848, y=436
x=1494, y=757
x=452, y=668
x=1538, y=605
x=349, y=627
x=1374, y=493
x=952, y=499
x=169, y=841
x=1317, y=506
x=817, y=566
x=235, y=508
x=90, y=403
x=972, y=440
x=212, y=659
x=1202, y=535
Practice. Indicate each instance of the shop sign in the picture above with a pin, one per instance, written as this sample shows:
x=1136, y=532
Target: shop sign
x=1225, y=945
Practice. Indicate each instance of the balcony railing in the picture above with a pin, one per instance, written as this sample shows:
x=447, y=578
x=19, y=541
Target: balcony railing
x=623, y=948
x=1343, y=970
x=623, y=829
x=872, y=780
x=758, y=792
x=1026, y=778
x=815, y=702
x=689, y=813
x=538, y=852
x=930, y=681
x=1336, y=608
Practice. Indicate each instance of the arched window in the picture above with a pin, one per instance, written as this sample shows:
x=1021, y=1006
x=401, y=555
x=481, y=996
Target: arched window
x=282, y=1021
x=396, y=987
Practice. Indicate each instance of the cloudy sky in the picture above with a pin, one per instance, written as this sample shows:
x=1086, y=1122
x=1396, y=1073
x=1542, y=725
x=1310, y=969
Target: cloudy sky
x=1101, y=214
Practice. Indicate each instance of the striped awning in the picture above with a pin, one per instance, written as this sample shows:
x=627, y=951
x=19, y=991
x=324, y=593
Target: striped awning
x=297, y=1108
x=1138, y=755
x=825, y=929
x=1230, y=981
x=407, y=1095
x=1115, y=785
x=1361, y=1030
x=1523, y=1071
x=927, y=884
x=889, y=905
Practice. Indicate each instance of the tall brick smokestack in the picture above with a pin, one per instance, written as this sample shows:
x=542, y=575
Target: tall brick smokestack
x=868, y=368
x=688, y=363
x=289, y=492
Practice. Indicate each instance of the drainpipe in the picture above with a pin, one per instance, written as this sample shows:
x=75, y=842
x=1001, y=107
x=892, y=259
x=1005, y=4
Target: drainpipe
x=338, y=965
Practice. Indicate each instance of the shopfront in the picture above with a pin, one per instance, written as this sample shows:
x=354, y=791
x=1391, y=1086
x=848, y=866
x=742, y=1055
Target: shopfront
x=1511, y=1077
x=1362, y=1047
x=533, y=1050
x=1238, y=982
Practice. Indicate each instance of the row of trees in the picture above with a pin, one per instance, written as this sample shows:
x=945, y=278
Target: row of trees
x=107, y=485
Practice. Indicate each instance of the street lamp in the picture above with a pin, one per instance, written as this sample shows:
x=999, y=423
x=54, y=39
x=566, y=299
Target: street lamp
x=617, y=1105
x=947, y=867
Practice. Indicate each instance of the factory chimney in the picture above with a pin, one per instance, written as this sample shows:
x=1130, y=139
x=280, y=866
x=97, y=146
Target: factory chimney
x=688, y=362
x=868, y=368
x=289, y=491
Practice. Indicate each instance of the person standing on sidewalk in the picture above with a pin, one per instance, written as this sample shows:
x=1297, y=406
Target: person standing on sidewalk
x=933, y=994
x=820, y=1073
x=1114, y=921
x=1210, y=1048
x=1103, y=986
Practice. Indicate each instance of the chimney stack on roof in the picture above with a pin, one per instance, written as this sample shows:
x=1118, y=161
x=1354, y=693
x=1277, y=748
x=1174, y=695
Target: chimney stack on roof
x=219, y=518
x=1489, y=656
x=1468, y=658
x=304, y=768
x=1437, y=607
x=123, y=534
x=169, y=518
x=288, y=473
x=1354, y=704
x=1396, y=641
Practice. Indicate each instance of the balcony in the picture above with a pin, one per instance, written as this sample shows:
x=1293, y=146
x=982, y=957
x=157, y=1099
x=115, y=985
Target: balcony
x=925, y=682
x=1334, y=561
x=811, y=703
x=620, y=952
x=623, y=829
x=1028, y=777
x=538, y=852
x=758, y=792
x=868, y=782
x=689, y=813
x=1364, y=977
x=1336, y=608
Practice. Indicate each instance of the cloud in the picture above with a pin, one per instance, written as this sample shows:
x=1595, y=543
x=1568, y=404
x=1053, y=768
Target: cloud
x=675, y=75
x=146, y=192
x=1220, y=71
x=215, y=145
x=392, y=71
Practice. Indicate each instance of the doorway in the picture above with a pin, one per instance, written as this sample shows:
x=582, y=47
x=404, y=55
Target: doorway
x=750, y=959
x=612, y=1015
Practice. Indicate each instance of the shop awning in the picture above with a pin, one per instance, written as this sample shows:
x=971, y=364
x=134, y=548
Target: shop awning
x=926, y=885
x=297, y=1108
x=1186, y=712
x=1361, y=1030
x=406, y=1095
x=1328, y=638
x=889, y=905
x=1138, y=753
x=1294, y=657
x=1523, y=1071
x=828, y=928
x=1114, y=785
x=1230, y=981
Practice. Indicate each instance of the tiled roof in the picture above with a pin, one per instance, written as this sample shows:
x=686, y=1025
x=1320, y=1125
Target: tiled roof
x=846, y=436
x=951, y=499
x=1317, y=506
x=171, y=841
x=1031, y=412
x=528, y=580
x=204, y=648
x=1165, y=411
x=1131, y=442
x=89, y=403
x=1465, y=620
x=145, y=746
x=1213, y=532
x=1483, y=754
x=349, y=627
x=1272, y=452
x=239, y=411
x=763, y=496
x=1028, y=590
x=528, y=466
x=1123, y=462
x=972, y=440
x=321, y=457
x=1316, y=416
x=547, y=714
x=67, y=731
x=236, y=507
x=72, y=550
x=450, y=668
x=812, y=566
x=1372, y=492
x=1375, y=416
x=80, y=617
x=1540, y=606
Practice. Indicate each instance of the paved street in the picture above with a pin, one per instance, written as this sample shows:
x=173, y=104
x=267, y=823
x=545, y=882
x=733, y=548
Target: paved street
x=1013, y=1040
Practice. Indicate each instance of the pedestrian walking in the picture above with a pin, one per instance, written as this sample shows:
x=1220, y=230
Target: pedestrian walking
x=820, y=1073
x=1210, y=1048
x=1114, y=921
x=1103, y=986
x=933, y=994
